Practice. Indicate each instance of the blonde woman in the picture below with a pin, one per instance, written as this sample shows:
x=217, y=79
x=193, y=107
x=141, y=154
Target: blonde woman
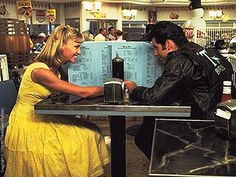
x=48, y=146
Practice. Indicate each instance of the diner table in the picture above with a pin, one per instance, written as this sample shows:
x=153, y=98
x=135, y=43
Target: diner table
x=71, y=105
x=191, y=148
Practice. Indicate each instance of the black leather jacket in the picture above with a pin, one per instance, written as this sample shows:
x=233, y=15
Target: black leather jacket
x=192, y=76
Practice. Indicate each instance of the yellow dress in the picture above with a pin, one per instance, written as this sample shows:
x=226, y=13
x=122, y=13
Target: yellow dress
x=48, y=146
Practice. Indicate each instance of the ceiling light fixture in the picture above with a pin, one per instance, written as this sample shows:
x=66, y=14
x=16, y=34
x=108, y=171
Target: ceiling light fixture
x=89, y=5
x=215, y=13
x=129, y=13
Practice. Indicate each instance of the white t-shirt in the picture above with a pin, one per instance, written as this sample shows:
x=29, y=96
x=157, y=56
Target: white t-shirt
x=99, y=37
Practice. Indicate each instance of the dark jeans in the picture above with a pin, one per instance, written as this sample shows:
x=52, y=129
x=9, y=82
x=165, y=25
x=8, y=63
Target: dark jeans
x=143, y=138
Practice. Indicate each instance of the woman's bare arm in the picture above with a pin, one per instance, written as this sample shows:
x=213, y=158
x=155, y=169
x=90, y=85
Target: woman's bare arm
x=48, y=79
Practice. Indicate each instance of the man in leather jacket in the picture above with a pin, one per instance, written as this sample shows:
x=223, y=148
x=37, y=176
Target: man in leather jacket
x=192, y=76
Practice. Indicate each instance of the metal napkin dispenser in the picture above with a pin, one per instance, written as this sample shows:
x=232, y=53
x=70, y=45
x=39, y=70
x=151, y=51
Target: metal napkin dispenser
x=113, y=91
x=225, y=119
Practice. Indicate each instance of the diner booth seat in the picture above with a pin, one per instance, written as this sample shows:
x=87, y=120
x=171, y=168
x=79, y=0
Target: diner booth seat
x=8, y=94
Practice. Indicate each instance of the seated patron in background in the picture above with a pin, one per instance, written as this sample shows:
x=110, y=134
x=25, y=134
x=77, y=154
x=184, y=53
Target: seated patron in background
x=192, y=76
x=40, y=145
x=40, y=42
x=101, y=36
x=119, y=35
x=111, y=33
x=88, y=35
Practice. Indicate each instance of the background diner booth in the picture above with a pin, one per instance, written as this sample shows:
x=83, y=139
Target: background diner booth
x=180, y=148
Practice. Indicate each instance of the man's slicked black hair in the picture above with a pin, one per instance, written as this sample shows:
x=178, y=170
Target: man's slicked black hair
x=164, y=30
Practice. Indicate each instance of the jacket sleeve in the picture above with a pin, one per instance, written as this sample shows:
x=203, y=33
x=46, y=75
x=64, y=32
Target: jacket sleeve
x=166, y=88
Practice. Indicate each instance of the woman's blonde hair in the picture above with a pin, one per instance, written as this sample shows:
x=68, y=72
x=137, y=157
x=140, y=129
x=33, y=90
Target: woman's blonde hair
x=52, y=49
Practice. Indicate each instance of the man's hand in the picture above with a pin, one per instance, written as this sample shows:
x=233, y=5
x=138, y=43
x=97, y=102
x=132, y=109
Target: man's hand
x=130, y=85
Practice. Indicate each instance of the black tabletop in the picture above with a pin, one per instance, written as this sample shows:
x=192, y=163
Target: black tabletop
x=191, y=148
x=72, y=105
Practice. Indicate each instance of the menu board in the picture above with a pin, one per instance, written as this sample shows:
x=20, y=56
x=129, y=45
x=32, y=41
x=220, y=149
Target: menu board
x=94, y=65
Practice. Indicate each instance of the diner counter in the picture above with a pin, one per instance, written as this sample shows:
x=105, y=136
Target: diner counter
x=191, y=148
